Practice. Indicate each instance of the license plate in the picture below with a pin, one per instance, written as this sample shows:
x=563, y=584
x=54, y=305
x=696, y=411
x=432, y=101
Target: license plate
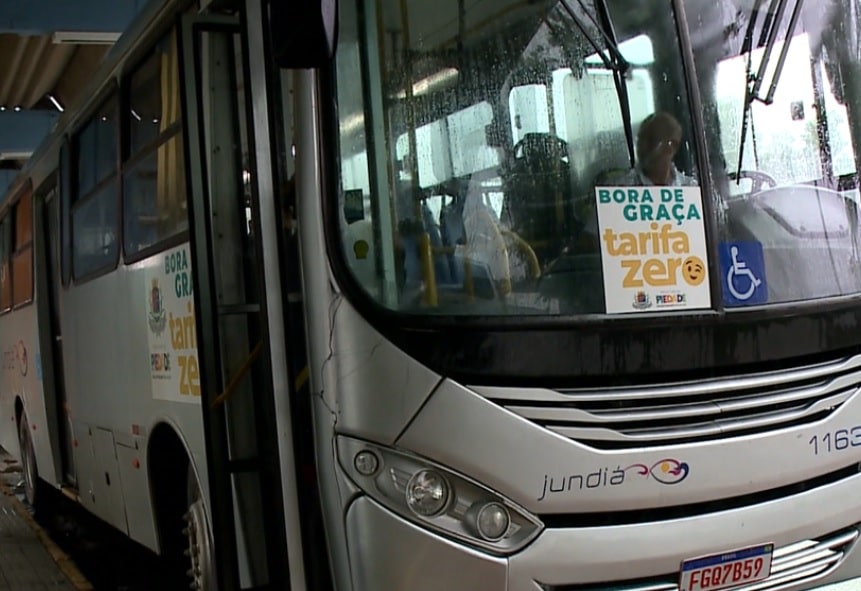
x=730, y=569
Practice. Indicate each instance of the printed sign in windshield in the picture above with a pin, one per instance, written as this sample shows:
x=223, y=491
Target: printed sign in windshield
x=653, y=249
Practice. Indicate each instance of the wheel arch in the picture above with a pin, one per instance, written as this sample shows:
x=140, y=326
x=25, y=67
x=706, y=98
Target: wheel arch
x=169, y=464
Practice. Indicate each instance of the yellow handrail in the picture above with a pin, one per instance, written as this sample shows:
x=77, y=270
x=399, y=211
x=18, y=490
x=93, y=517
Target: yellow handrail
x=230, y=390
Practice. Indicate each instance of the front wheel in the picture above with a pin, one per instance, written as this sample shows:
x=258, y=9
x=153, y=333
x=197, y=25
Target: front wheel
x=198, y=541
x=28, y=460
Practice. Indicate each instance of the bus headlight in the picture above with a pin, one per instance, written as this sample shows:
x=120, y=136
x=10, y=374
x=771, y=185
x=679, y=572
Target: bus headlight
x=492, y=521
x=427, y=493
x=437, y=498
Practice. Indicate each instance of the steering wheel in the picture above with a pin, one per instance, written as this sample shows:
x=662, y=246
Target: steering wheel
x=543, y=147
x=759, y=179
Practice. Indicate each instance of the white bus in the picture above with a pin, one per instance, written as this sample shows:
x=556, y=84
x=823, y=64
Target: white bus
x=569, y=297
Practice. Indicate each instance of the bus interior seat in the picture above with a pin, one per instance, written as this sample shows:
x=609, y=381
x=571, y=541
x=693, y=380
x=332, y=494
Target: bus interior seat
x=411, y=230
x=537, y=174
x=604, y=152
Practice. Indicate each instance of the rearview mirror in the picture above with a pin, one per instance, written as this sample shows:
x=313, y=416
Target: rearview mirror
x=304, y=33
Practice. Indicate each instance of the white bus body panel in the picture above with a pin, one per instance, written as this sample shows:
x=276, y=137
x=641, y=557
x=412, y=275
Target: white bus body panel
x=110, y=395
x=388, y=552
x=22, y=380
x=404, y=557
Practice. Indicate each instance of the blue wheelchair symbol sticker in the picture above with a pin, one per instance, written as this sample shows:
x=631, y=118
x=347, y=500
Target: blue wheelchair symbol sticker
x=743, y=280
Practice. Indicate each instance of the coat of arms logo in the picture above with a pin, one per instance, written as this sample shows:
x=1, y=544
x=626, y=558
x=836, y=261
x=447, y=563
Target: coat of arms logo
x=157, y=314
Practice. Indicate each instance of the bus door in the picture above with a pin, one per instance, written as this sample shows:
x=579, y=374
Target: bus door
x=47, y=215
x=239, y=415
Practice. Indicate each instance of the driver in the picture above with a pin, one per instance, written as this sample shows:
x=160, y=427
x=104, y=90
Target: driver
x=658, y=142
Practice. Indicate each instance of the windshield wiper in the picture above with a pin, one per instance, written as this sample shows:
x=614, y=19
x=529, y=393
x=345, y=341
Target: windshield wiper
x=753, y=84
x=615, y=62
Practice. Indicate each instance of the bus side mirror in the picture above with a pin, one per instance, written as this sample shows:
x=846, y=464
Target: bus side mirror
x=304, y=33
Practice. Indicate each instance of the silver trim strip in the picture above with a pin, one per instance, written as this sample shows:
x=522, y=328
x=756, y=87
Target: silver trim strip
x=713, y=427
x=713, y=386
x=656, y=413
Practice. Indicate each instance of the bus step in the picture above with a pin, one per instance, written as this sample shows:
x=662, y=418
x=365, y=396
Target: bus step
x=70, y=493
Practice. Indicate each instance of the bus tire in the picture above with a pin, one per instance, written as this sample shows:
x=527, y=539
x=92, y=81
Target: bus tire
x=198, y=537
x=28, y=462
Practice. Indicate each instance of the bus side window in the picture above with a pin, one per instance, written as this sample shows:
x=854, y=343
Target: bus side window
x=22, y=258
x=154, y=197
x=95, y=244
x=5, y=270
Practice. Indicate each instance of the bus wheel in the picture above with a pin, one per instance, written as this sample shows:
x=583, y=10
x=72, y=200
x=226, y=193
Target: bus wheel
x=198, y=542
x=28, y=459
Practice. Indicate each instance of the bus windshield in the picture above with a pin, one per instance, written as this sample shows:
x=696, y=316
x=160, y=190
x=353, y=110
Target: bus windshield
x=541, y=158
x=780, y=87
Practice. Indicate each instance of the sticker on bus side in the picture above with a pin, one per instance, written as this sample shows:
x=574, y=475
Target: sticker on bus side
x=171, y=328
x=653, y=249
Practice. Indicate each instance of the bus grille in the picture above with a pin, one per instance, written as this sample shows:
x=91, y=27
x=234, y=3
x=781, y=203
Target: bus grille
x=620, y=418
x=799, y=563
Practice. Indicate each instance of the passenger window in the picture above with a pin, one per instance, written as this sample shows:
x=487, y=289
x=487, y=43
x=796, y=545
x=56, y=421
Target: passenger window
x=22, y=259
x=5, y=256
x=95, y=215
x=450, y=147
x=154, y=192
x=94, y=237
x=154, y=96
x=600, y=137
x=467, y=140
x=97, y=148
x=530, y=112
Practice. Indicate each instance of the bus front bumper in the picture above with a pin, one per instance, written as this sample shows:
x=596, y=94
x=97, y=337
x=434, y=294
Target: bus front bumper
x=815, y=535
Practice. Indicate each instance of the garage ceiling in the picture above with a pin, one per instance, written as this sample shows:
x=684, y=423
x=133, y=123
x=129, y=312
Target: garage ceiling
x=48, y=51
x=34, y=67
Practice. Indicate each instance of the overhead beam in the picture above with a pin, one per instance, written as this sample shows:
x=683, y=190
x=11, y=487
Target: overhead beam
x=22, y=132
x=44, y=17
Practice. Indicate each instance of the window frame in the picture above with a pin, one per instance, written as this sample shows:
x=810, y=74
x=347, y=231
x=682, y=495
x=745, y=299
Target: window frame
x=17, y=251
x=6, y=216
x=77, y=201
x=24, y=249
x=117, y=91
x=65, y=222
x=129, y=160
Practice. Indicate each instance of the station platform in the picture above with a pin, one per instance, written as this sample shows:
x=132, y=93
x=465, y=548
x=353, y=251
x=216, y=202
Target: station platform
x=29, y=560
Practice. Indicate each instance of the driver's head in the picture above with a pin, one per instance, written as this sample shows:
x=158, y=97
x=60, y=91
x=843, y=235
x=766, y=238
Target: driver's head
x=658, y=142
